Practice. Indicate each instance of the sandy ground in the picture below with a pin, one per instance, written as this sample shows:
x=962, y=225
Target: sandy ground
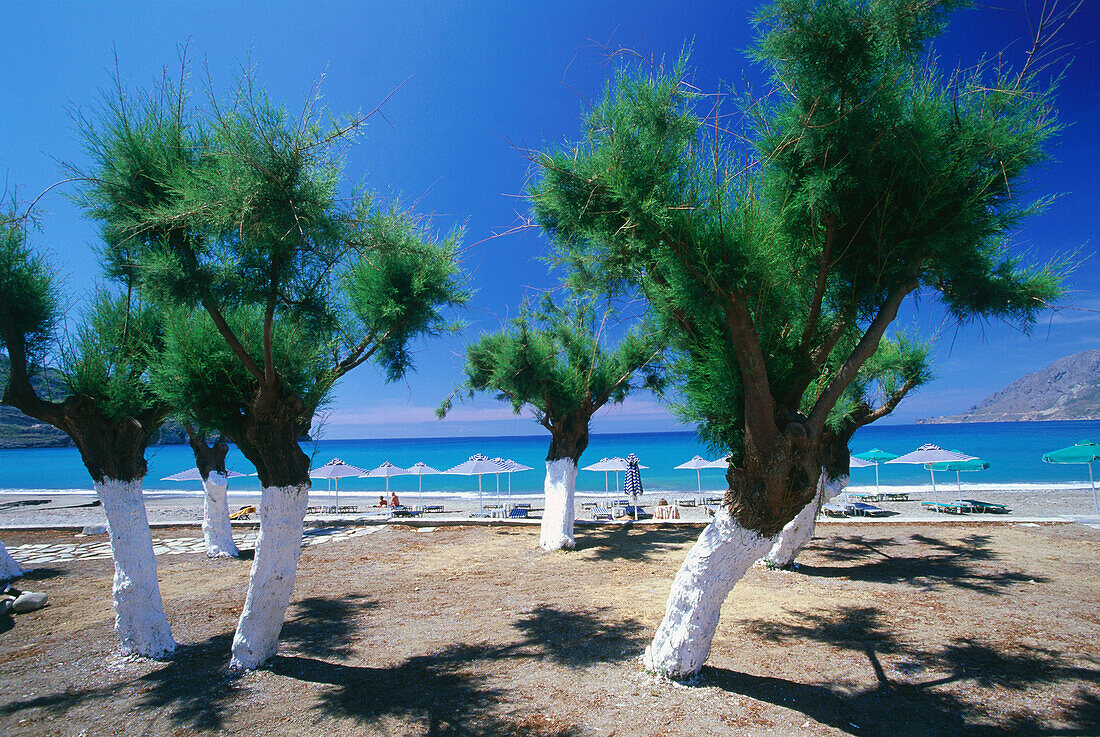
x=908, y=629
x=46, y=509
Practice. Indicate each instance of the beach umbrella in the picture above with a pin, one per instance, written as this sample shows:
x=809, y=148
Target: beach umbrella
x=421, y=469
x=854, y=462
x=386, y=469
x=876, y=457
x=192, y=474
x=513, y=467
x=478, y=465
x=632, y=481
x=335, y=470
x=1085, y=451
x=607, y=465
x=929, y=454
x=719, y=463
x=974, y=464
x=696, y=463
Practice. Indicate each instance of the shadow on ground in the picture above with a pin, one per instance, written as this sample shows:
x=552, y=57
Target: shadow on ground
x=936, y=563
x=627, y=542
x=913, y=692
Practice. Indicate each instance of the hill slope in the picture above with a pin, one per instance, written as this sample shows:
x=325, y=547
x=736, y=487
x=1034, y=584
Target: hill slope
x=1068, y=389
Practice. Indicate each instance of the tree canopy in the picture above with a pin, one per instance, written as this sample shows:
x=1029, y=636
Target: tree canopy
x=553, y=359
x=778, y=271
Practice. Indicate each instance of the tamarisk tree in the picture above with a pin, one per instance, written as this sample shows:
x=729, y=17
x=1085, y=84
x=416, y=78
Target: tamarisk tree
x=553, y=361
x=110, y=413
x=779, y=277
x=283, y=287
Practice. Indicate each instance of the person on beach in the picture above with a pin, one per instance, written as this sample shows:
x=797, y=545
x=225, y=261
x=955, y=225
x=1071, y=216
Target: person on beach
x=393, y=499
x=381, y=501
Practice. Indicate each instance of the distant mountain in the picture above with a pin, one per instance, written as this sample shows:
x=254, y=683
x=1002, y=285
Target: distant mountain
x=19, y=431
x=1068, y=389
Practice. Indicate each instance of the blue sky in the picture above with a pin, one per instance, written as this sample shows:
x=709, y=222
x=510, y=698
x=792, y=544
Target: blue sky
x=478, y=83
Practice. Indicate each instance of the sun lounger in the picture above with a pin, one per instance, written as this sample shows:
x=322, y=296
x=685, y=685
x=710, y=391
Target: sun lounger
x=620, y=503
x=429, y=508
x=712, y=500
x=946, y=507
x=895, y=496
x=522, y=505
x=865, y=496
x=835, y=510
x=685, y=502
x=349, y=509
x=243, y=513
x=313, y=510
x=601, y=513
x=862, y=509
x=985, y=507
x=518, y=513
x=403, y=512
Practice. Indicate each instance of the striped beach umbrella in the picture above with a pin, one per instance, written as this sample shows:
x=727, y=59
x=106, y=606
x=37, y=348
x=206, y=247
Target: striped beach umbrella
x=632, y=481
x=335, y=470
x=420, y=469
x=929, y=454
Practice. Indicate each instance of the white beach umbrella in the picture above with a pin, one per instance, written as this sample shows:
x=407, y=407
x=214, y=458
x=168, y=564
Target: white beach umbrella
x=192, y=474
x=606, y=465
x=385, y=470
x=421, y=469
x=512, y=467
x=478, y=465
x=335, y=470
x=719, y=463
x=854, y=462
x=696, y=464
x=928, y=454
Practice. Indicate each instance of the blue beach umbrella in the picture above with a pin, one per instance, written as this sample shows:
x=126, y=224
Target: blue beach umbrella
x=1085, y=451
x=974, y=464
x=876, y=457
x=632, y=481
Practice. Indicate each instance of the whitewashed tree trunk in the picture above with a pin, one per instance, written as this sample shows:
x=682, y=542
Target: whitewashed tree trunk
x=274, y=570
x=557, y=518
x=718, y=560
x=800, y=530
x=216, y=528
x=139, y=614
x=9, y=567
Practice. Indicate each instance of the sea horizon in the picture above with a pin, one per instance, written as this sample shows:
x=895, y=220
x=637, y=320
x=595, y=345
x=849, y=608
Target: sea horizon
x=1013, y=449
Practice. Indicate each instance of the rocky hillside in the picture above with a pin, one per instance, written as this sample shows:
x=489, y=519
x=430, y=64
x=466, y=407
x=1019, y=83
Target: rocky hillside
x=19, y=431
x=1068, y=389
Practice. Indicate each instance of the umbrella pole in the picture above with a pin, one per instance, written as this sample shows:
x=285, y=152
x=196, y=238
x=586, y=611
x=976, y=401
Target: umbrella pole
x=498, y=490
x=698, y=482
x=420, y=491
x=877, y=492
x=1092, y=482
x=336, y=486
x=958, y=481
x=480, y=503
x=935, y=500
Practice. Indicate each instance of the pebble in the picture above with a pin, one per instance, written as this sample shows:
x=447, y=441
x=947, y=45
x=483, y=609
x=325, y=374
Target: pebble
x=94, y=530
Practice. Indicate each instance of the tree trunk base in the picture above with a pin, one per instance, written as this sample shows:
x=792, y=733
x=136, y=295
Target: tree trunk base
x=800, y=530
x=718, y=560
x=139, y=613
x=9, y=567
x=559, y=513
x=217, y=531
x=274, y=570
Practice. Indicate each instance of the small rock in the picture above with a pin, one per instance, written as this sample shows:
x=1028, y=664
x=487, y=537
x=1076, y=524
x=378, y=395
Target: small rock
x=94, y=530
x=28, y=601
x=5, y=605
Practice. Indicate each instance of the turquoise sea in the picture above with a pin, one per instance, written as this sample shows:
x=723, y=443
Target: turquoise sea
x=1013, y=449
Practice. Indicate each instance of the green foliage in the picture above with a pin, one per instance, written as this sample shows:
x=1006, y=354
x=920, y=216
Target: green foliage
x=875, y=176
x=236, y=211
x=29, y=297
x=553, y=359
x=110, y=352
x=202, y=379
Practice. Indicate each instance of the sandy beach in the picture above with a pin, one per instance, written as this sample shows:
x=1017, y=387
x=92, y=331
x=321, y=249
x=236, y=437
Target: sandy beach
x=51, y=509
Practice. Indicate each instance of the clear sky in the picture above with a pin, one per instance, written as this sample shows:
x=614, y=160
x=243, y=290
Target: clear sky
x=478, y=82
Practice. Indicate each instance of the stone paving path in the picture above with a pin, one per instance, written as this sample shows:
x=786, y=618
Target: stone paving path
x=36, y=554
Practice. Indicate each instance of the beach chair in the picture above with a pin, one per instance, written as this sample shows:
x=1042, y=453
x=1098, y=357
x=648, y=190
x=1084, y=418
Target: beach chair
x=429, y=508
x=835, y=510
x=986, y=507
x=601, y=513
x=401, y=511
x=313, y=510
x=243, y=513
x=349, y=509
x=685, y=502
x=946, y=507
x=639, y=510
x=895, y=496
x=518, y=513
x=863, y=509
